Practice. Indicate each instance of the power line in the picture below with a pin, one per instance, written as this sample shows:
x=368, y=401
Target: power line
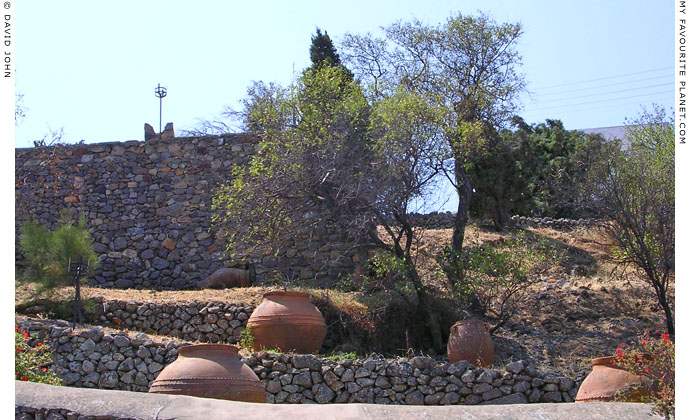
x=601, y=86
x=586, y=109
x=602, y=93
x=603, y=100
x=605, y=78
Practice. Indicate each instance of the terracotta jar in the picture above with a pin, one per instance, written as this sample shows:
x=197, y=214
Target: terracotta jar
x=227, y=278
x=287, y=321
x=210, y=371
x=606, y=380
x=470, y=340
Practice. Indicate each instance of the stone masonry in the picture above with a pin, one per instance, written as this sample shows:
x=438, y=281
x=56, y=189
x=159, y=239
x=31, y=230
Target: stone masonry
x=148, y=206
x=130, y=362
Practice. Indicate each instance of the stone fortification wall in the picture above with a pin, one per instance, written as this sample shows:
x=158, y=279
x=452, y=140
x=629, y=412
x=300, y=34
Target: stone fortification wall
x=148, y=208
x=96, y=359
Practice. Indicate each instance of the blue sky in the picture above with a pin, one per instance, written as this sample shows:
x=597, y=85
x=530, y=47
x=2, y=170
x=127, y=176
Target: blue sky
x=90, y=68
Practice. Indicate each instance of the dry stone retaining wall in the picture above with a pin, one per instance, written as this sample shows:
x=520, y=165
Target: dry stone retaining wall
x=148, y=206
x=95, y=359
x=211, y=322
x=446, y=220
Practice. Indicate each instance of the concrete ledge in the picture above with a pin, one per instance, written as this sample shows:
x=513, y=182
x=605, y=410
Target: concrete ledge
x=130, y=405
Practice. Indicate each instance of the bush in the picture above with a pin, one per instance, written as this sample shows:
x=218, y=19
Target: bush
x=32, y=362
x=50, y=252
x=492, y=280
x=246, y=339
x=654, y=358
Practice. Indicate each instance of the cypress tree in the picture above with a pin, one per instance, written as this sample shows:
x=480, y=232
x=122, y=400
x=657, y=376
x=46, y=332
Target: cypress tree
x=322, y=52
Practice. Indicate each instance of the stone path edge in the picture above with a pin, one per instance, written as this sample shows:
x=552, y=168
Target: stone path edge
x=130, y=405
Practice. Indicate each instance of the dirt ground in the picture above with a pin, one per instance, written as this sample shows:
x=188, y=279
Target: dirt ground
x=581, y=308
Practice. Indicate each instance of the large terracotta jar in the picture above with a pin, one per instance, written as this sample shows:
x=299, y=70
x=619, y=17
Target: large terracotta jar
x=210, y=371
x=287, y=321
x=470, y=340
x=606, y=381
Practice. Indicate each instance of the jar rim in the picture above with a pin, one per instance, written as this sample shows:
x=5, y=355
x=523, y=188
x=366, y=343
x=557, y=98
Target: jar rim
x=286, y=293
x=185, y=350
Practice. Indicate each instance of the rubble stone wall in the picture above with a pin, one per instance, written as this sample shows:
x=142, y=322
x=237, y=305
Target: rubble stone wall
x=96, y=359
x=148, y=206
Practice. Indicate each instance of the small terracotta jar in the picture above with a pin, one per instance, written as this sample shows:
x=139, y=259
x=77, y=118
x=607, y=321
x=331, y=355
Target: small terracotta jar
x=210, y=371
x=287, y=321
x=227, y=278
x=470, y=340
x=606, y=381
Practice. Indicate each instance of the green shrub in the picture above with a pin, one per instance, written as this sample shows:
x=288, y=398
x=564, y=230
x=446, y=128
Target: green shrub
x=49, y=253
x=246, y=339
x=342, y=356
x=32, y=362
x=492, y=280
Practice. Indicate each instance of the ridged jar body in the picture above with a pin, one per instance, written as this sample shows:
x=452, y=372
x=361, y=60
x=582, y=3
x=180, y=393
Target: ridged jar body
x=470, y=340
x=210, y=371
x=606, y=380
x=287, y=321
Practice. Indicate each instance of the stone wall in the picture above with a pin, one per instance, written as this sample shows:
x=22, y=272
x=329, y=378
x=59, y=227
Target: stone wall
x=31, y=413
x=446, y=220
x=211, y=322
x=548, y=222
x=95, y=359
x=148, y=208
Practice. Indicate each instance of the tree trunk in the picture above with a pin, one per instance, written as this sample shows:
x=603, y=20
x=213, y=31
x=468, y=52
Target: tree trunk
x=663, y=302
x=425, y=306
x=464, y=189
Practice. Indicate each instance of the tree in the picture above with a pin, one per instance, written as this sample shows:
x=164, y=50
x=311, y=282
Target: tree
x=638, y=198
x=330, y=158
x=466, y=68
x=322, y=52
x=498, y=184
x=19, y=108
x=51, y=254
x=555, y=163
x=540, y=169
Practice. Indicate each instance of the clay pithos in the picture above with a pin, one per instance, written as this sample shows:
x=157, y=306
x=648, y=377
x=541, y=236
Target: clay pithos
x=287, y=321
x=606, y=381
x=470, y=340
x=227, y=278
x=210, y=371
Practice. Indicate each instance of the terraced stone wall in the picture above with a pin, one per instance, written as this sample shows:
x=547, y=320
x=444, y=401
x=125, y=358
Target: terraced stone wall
x=213, y=322
x=122, y=361
x=148, y=206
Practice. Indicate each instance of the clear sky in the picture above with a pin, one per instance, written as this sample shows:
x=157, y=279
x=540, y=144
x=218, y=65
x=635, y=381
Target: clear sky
x=90, y=68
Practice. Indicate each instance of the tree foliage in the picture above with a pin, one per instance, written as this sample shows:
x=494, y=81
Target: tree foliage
x=539, y=169
x=322, y=52
x=50, y=252
x=466, y=68
x=493, y=281
x=330, y=158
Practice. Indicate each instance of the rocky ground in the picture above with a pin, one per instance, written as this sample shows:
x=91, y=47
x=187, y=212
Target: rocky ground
x=580, y=309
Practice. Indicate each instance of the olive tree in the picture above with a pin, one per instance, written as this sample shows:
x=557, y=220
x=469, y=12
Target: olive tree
x=466, y=68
